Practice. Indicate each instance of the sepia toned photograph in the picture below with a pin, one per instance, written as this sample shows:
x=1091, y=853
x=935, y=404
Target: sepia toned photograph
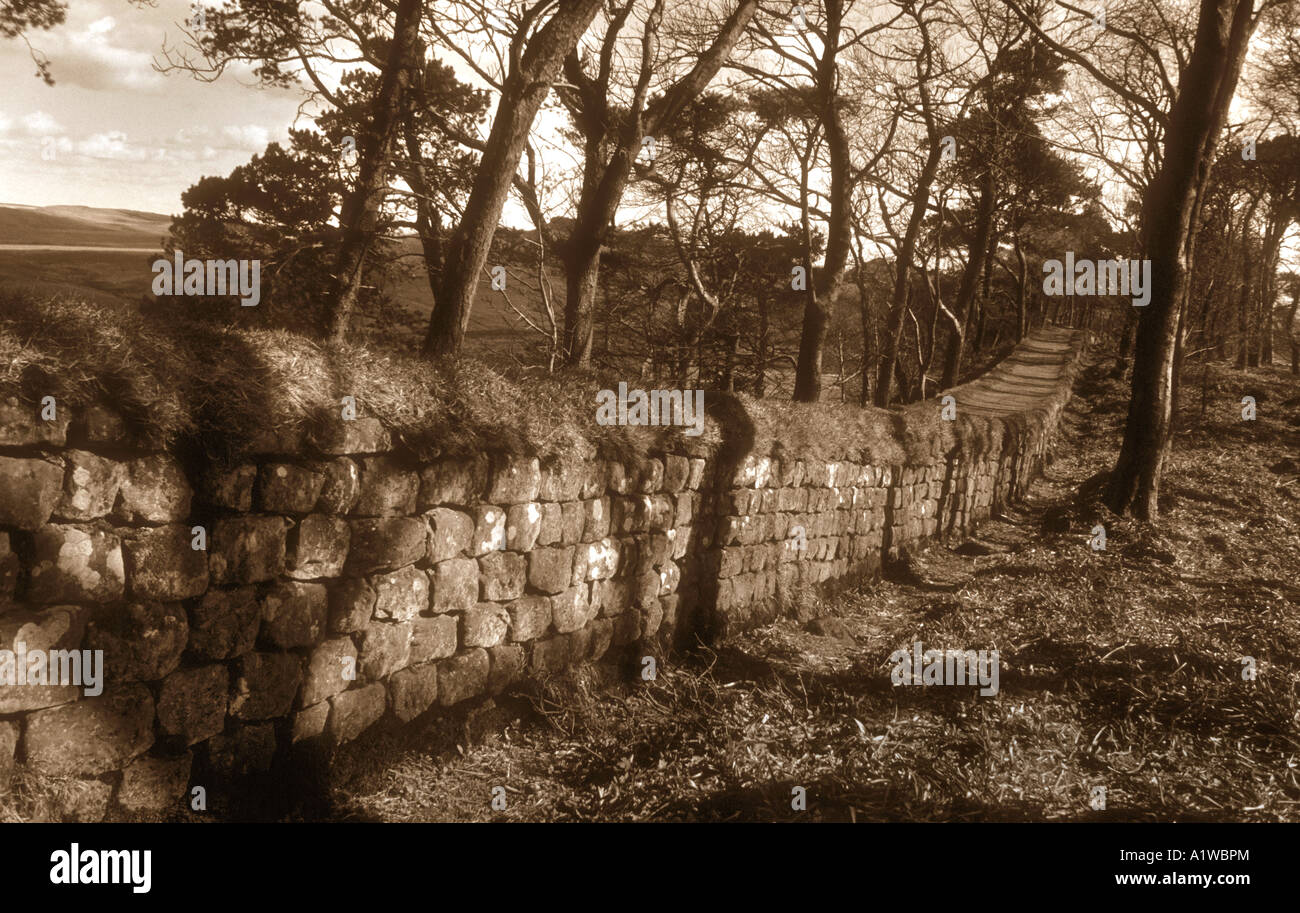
x=650, y=411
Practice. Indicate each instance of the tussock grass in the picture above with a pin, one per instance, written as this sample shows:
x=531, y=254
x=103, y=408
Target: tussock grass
x=224, y=388
x=221, y=389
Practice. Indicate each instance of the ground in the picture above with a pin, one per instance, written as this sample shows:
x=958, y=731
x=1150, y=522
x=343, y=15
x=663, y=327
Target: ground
x=1124, y=690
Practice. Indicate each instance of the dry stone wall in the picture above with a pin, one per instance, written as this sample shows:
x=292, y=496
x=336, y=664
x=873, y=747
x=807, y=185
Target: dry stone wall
x=301, y=596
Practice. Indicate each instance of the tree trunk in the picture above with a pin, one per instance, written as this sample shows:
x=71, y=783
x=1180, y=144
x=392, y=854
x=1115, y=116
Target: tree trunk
x=359, y=214
x=819, y=307
x=1206, y=88
x=970, y=278
x=903, y=272
x=525, y=89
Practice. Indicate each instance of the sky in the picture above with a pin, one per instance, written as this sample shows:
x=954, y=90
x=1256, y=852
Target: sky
x=112, y=131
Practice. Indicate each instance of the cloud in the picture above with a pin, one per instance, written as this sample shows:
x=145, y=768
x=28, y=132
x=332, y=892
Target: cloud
x=39, y=123
x=112, y=145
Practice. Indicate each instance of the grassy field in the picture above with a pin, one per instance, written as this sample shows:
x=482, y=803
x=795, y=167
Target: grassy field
x=1120, y=669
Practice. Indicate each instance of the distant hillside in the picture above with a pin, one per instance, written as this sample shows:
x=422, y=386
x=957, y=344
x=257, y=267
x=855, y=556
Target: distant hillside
x=81, y=225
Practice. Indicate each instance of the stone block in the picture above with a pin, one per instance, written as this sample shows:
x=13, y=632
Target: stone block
x=385, y=544
x=224, y=623
x=450, y=533
x=287, y=488
x=154, y=489
x=388, y=488
x=265, y=685
x=246, y=549
x=454, y=585
x=502, y=576
x=93, y=736
x=142, y=642
x=161, y=563
x=90, y=486
x=294, y=614
x=192, y=703
x=318, y=547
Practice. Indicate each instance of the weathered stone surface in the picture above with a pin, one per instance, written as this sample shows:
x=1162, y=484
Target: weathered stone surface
x=485, y=625
x=318, y=547
x=29, y=491
x=400, y=595
x=294, y=614
x=154, y=490
x=351, y=604
x=162, y=564
x=224, y=623
x=243, y=751
x=523, y=524
x=384, y=544
x=54, y=628
x=595, y=519
x=602, y=559
x=76, y=564
x=362, y=434
x=353, y=712
x=91, y=736
x=502, y=576
x=649, y=475
x=610, y=597
x=192, y=702
x=505, y=665
x=677, y=471
x=414, y=690
x=332, y=668
x=572, y=609
x=388, y=488
x=152, y=784
x=455, y=585
x=550, y=569
x=572, y=522
x=514, y=479
x=462, y=677
x=551, y=655
x=384, y=648
x=562, y=479
x=286, y=488
x=489, y=530
x=310, y=723
x=21, y=424
x=530, y=616
x=265, y=685
x=551, y=528
x=459, y=482
x=142, y=642
x=229, y=486
x=450, y=533
x=246, y=549
x=10, y=567
x=697, y=474
x=595, y=480
x=89, y=487
x=433, y=637
x=342, y=486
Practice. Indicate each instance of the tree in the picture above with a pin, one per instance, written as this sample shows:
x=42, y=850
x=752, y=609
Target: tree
x=535, y=59
x=1205, y=90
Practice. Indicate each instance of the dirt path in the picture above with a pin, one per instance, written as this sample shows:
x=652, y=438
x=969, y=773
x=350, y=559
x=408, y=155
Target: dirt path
x=1121, y=693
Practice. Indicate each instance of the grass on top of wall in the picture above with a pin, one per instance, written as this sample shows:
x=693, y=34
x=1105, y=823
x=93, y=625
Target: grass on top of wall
x=183, y=383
